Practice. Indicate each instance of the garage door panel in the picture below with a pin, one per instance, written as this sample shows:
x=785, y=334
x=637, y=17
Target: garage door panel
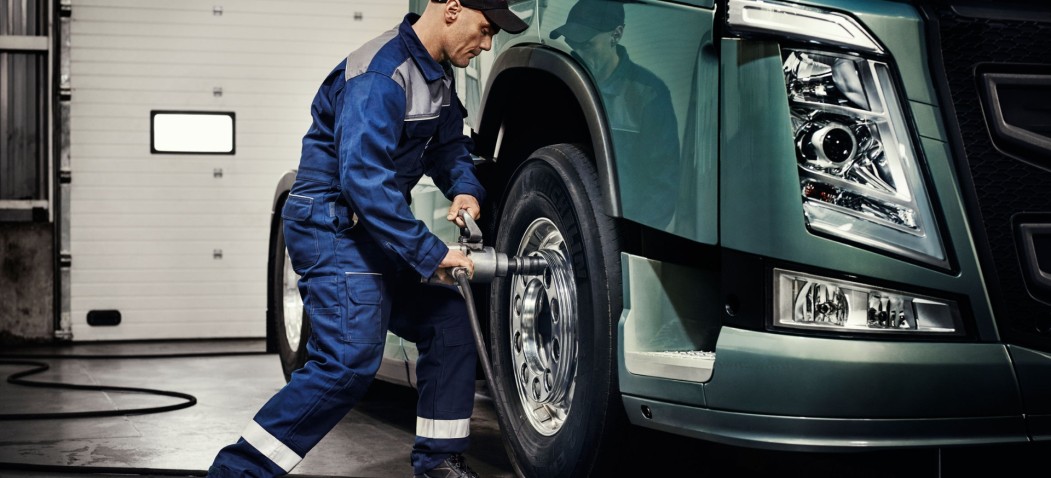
x=215, y=278
x=145, y=228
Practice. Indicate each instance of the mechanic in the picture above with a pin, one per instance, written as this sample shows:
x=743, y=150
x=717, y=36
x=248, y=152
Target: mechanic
x=382, y=118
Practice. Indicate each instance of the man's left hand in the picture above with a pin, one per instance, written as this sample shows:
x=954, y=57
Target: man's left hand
x=464, y=202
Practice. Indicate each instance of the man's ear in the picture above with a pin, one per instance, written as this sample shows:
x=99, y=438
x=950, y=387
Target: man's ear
x=617, y=33
x=452, y=10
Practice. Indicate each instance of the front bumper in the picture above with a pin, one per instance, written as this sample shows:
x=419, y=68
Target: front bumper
x=821, y=434
x=799, y=393
x=794, y=392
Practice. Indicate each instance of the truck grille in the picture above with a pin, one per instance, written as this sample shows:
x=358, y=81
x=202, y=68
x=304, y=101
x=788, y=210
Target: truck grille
x=973, y=39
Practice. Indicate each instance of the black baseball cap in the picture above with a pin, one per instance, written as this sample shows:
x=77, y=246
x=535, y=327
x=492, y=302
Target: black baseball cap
x=497, y=13
x=589, y=18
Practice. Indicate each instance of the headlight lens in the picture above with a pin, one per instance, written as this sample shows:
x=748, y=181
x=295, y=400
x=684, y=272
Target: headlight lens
x=859, y=177
x=811, y=302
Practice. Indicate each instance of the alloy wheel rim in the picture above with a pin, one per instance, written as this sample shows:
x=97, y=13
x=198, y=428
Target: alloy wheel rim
x=543, y=331
x=293, y=304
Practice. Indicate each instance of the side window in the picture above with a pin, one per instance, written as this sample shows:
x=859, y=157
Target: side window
x=24, y=103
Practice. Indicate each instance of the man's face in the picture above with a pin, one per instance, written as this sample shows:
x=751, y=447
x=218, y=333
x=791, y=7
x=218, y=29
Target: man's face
x=595, y=52
x=468, y=36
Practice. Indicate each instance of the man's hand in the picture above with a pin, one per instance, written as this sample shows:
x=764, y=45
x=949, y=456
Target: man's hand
x=464, y=202
x=451, y=261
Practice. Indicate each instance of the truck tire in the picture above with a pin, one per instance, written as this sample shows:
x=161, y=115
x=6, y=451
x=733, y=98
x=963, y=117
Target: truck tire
x=291, y=324
x=554, y=334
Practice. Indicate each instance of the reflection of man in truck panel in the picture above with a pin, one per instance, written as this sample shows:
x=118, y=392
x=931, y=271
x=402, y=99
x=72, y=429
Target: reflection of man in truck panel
x=638, y=104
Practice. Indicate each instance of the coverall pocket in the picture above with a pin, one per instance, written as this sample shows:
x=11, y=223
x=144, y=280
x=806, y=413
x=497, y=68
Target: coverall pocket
x=300, y=235
x=364, y=323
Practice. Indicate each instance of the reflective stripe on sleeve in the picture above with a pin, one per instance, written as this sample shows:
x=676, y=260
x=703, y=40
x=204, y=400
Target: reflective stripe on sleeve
x=270, y=446
x=443, y=429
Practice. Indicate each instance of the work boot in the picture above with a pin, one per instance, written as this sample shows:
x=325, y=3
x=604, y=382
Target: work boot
x=452, y=467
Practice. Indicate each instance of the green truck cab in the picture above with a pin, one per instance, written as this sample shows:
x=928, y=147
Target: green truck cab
x=813, y=225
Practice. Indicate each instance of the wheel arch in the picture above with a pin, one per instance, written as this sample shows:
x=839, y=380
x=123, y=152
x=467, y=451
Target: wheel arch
x=531, y=85
x=284, y=185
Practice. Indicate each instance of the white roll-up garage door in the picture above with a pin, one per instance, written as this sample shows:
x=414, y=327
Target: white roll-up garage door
x=177, y=243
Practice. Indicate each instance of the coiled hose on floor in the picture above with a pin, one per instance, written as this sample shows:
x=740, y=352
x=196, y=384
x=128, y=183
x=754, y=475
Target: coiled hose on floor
x=19, y=378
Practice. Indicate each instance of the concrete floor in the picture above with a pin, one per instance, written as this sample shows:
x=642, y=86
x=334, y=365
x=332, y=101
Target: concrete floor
x=374, y=440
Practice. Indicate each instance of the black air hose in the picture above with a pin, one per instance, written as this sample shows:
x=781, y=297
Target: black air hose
x=460, y=274
x=18, y=378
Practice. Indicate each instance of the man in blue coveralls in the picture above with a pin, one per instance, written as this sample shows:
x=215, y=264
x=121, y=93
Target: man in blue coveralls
x=384, y=117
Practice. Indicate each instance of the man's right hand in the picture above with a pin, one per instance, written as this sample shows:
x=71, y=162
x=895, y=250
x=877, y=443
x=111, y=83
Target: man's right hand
x=451, y=261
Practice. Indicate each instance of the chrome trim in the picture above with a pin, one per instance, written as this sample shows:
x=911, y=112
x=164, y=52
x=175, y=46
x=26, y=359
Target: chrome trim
x=821, y=26
x=690, y=365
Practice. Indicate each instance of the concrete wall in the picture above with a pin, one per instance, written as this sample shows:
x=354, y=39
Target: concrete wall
x=26, y=283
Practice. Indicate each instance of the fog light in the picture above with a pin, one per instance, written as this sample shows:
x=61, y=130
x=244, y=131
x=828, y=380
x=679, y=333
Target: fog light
x=811, y=302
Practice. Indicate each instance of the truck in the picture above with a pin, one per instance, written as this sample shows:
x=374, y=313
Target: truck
x=814, y=225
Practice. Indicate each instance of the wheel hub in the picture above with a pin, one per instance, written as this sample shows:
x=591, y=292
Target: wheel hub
x=544, y=330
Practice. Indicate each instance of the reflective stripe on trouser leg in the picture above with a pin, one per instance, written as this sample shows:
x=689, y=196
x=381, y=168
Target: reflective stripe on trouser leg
x=321, y=393
x=435, y=318
x=270, y=447
x=295, y=419
x=445, y=373
x=443, y=429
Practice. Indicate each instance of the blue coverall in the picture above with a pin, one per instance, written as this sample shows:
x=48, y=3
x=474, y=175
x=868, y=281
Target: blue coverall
x=384, y=117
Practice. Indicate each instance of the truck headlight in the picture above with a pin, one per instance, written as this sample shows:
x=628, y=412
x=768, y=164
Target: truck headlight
x=859, y=171
x=806, y=301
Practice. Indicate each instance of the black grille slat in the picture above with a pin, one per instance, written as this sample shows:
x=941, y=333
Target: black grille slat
x=1003, y=185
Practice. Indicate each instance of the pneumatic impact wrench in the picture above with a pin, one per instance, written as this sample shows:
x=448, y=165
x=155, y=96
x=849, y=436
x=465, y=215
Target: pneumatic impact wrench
x=488, y=265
